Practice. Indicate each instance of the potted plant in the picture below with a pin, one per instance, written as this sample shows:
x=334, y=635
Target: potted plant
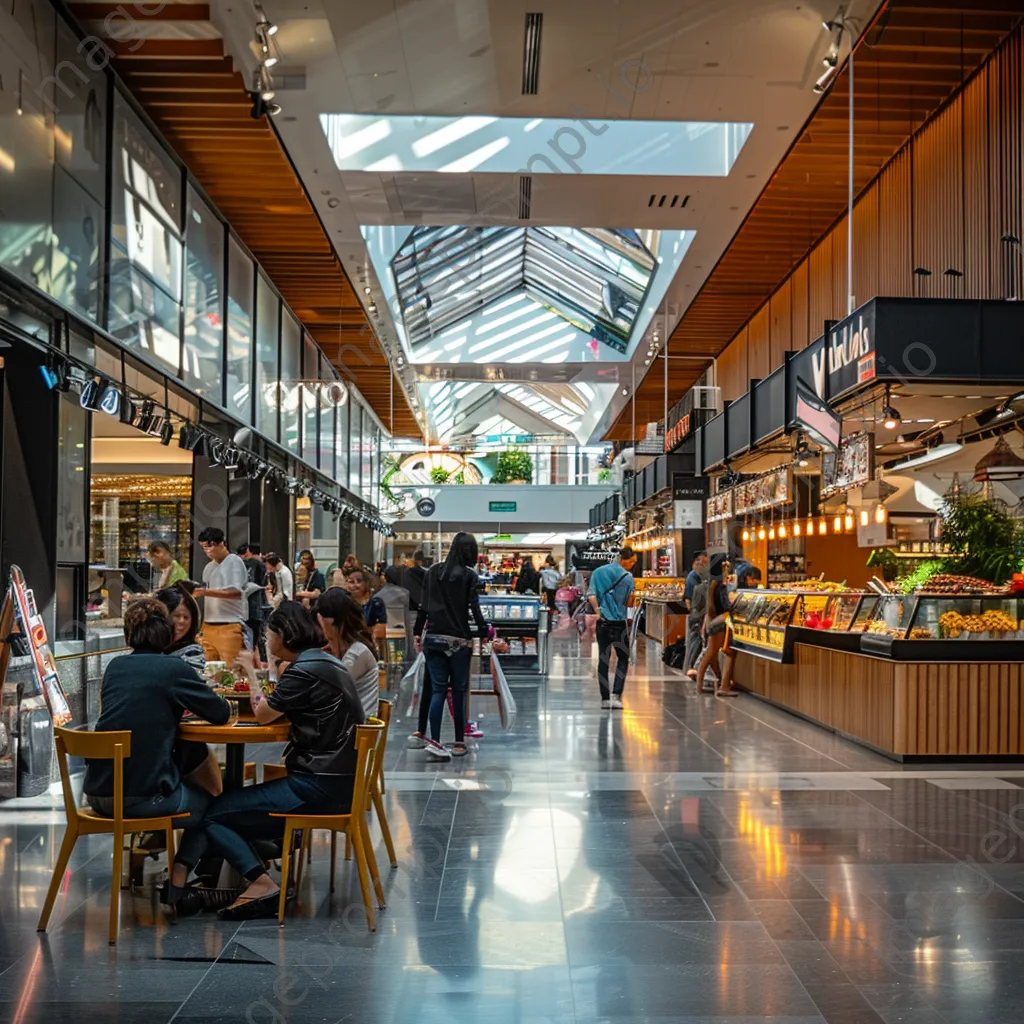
x=439, y=475
x=604, y=476
x=514, y=467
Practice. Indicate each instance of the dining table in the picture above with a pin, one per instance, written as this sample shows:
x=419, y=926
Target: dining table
x=235, y=736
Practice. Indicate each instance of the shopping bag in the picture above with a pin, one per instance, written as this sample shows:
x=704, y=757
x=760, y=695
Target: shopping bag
x=412, y=681
x=503, y=693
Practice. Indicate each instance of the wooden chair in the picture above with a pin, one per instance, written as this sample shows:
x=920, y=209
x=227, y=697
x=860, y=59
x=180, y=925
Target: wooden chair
x=369, y=748
x=108, y=746
x=377, y=789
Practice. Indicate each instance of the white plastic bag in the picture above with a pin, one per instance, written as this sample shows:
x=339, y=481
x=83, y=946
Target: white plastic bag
x=412, y=681
x=503, y=693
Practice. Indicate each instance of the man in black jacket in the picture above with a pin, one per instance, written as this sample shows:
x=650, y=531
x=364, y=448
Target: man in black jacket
x=257, y=602
x=414, y=577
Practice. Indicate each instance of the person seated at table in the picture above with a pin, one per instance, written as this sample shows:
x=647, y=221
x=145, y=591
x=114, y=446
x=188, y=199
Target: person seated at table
x=349, y=639
x=361, y=584
x=198, y=763
x=147, y=692
x=316, y=694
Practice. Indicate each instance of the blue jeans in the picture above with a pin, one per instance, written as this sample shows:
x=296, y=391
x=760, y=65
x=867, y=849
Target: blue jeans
x=184, y=800
x=240, y=815
x=448, y=670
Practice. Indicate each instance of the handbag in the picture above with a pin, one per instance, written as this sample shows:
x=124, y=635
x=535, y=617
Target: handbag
x=503, y=694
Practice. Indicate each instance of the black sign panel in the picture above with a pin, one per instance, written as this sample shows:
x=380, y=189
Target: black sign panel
x=714, y=441
x=689, y=488
x=737, y=425
x=850, y=349
x=813, y=416
x=769, y=398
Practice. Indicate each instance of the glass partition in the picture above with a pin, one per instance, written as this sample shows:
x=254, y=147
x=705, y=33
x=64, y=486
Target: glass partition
x=354, y=439
x=146, y=248
x=238, y=399
x=291, y=360
x=203, y=349
x=310, y=400
x=268, y=322
x=328, y=451
x=366, y=456
x=341, y=443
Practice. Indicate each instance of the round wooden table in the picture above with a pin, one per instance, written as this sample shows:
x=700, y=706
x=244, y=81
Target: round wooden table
x=235, y=737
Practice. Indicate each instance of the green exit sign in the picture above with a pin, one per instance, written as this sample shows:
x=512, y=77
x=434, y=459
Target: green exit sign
x=502, y=538
x=502, y=506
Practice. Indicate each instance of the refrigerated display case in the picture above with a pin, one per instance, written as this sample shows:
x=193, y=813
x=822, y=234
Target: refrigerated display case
x=522, y=621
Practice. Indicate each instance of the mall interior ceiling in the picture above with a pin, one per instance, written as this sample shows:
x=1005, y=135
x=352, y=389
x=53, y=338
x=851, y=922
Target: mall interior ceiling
x=499, y=219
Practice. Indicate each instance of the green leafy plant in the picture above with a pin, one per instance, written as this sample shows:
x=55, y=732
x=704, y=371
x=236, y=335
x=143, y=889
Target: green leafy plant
x=604, y=476
x=887, y=564
x=514, y=465
x=919, y=576
x=983, y=535
x=460, y=478
x=439, y=475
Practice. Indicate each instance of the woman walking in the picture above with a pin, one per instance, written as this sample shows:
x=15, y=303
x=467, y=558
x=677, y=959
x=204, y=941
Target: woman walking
x=449, y=598
x=715, y=627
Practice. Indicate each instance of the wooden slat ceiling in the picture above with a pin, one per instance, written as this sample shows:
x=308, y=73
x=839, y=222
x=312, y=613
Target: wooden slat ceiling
x=200, y=103
x=912, y=58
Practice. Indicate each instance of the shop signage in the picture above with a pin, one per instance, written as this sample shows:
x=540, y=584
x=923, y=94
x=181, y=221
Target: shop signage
x=685, y=488
x=426, y=507
x=501, y=506
x=812, y=415
x=688, y=515
x=500, y=538
x=762, y=492
x=850, y=347
x=589, y=556
x=853, y=465
x=678, y=433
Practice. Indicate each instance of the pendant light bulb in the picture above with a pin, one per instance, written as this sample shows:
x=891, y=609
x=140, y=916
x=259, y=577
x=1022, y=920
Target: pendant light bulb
x=796, y=528
x=880, y=514
x=782, y=531
x=822, y=527
x=746, y=535
x=848, y=523
x=864, y=517
x=891, y=419
x=837, y=524
x=771, y=533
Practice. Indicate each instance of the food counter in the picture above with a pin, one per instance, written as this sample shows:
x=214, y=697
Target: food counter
x=664, y=613
x=915, y=676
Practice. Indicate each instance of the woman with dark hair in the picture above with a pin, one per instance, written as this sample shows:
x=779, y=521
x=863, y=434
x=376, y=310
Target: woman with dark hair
x=198, y=764
x=449, y=597
x=280, y=584
x=316, y=694
x=147, y=693
x=361, y=584
x=314, y=585
x=529, y=578
x=715, y=627
x=349, y=639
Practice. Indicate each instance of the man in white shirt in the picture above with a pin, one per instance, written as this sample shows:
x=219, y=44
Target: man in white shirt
x=224, y=582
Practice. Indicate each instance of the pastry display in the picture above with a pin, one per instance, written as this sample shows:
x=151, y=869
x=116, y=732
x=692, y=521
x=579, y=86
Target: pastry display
x=994, y=621
x=920, y=633
x=818, y=587
x=946, y=583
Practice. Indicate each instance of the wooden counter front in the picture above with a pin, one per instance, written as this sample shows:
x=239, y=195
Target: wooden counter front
x=903, y=709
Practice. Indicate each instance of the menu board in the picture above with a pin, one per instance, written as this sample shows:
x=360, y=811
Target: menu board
x=762, y=492
x=852, y=465
x=720, y=506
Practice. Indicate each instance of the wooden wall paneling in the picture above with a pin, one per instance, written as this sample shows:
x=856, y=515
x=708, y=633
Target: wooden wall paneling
x=865, y=247
x=1004, y=110
x=800, y=309
x=820, y=288
x=759, y=362
x=894, y=241
x=781, y=312
x=732, y=368
x=839, y=283
x=981, y=246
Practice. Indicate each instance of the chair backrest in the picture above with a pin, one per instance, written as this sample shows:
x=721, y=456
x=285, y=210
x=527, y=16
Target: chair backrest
x=97, y=746
x=368, y=744
x=384, y=714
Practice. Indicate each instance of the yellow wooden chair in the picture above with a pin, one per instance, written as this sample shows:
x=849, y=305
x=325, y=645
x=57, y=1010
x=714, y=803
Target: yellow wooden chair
x=100, y=746
x=377, y=789
x=369, y=748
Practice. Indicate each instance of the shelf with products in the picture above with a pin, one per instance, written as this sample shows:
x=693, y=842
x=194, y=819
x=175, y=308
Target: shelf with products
x=521, y=621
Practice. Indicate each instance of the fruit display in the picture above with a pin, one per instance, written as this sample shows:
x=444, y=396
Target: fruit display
x=920, y=633
x=818, y=587
x=994, y=622
x=946, y=583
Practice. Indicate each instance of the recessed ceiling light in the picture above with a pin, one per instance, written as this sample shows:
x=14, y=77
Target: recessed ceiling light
x=971, y=398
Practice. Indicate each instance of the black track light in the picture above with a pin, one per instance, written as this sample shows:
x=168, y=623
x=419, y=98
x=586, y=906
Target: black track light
x=129, y=412
x=231, y=457
x=891, y=419
x=92, y=394
x=261, y=106
x=166, y=430
x=145, y=419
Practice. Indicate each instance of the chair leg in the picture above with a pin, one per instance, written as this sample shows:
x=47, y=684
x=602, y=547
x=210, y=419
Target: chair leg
x=371, y=861
x=364, y=882
x=385, y=829
x=170, y=849
x=334, y=858
x=115, y=886
x=286, y=854
x=66, y=846
x=300, y=860
x=348, y=846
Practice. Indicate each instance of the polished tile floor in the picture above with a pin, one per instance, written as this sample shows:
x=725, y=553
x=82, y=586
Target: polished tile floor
x=688, y=860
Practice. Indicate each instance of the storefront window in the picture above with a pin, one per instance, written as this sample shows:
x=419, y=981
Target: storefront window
x=310, y=401
x=146, y=248
x=341, y=438
x=355, y=434
x=203, y=350
x=239, y=391
x=291, y=372
x=268, y=311
x=366, y=456
x=71, y=480
x=328, y=451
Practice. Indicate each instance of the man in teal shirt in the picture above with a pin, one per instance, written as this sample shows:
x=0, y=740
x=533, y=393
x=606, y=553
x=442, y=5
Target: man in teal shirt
x=610, y=593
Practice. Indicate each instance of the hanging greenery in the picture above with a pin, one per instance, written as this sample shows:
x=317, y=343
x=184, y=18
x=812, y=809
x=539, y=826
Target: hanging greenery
x=514, y=466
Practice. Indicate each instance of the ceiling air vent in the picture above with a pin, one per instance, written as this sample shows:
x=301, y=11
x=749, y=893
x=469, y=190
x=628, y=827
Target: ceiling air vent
x=531, y=54
x=525, y=197
x=659, y=201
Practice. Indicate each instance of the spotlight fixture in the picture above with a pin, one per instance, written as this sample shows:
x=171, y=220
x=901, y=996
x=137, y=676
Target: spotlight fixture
x=368, y=290
x=215, y=448
x=55, y=374
x=625, y=392
x=166, y=430
x=92, y=394
x=822, y=84
x=269, y=62
x=129, y=411
x=831, y=58
x=146, y=417
x=891, y=418
x=231, y=457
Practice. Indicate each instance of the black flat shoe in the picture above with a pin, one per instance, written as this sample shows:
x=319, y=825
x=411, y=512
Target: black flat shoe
x=250, y=909
x=191, y=899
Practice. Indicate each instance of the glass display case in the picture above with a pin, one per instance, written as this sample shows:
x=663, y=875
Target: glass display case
x=921, y=626
x=521, y=621
x=833, y=612
x=759, y=621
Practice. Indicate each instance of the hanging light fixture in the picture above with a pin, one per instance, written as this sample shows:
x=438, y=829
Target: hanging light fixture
x=891, y=418
x=864, y=517
x=782, y=531
x=822, y=527
x=848, y=522
x=880, y=513
x=796, y=528
x=771, y=532
x=810, y=526
x=746, y=535
x=837, y=524
x=761, y=534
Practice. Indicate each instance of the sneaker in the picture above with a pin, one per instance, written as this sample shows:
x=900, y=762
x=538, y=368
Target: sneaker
x=459, y=750
x=606, y=705
x=616, y=702
x=417, y=741
x=473, y=731
x=436, y=752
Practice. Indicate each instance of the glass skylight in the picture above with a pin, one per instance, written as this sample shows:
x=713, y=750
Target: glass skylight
x=519, y=145
x=595, y=278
